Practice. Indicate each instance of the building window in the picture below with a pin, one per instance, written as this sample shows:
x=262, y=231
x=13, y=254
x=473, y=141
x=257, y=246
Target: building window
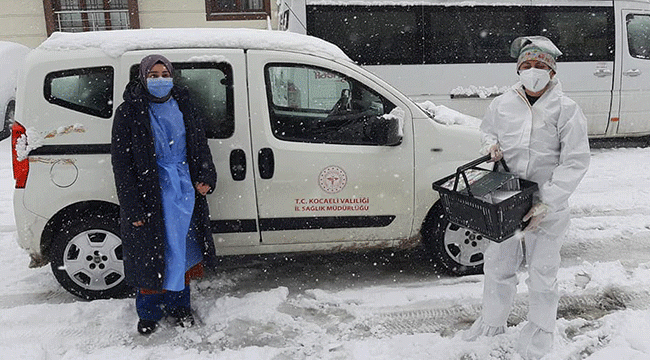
x=237, y=9
x=90, y=15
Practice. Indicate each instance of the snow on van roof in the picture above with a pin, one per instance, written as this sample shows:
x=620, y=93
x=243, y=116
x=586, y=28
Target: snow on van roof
x=116, y=42
x=8, y=47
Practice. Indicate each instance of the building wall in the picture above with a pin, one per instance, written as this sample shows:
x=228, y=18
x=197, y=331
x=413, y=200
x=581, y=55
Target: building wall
x=22, y=21
x=191, y=13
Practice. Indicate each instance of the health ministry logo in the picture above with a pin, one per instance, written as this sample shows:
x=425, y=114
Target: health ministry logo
x=332, y=179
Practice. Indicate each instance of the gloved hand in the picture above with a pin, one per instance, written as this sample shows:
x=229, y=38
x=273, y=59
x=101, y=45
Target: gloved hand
x=495, y=153
x=536, y=214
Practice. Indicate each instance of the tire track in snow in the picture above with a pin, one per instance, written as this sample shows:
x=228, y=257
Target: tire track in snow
x=595, y=211
x=449, y=320
x=50, y=297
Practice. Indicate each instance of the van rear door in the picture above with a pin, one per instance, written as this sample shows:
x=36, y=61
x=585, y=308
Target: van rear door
x=634, y=68
x=324, y=174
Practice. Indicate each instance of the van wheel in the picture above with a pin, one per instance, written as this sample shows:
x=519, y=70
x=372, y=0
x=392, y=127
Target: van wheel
x=86, y=256
x=459, y=251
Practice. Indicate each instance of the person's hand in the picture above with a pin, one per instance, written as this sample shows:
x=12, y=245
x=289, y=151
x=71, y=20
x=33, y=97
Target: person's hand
x=138, y=223
x=536, y=214
x=495, y=153
x=202, y=188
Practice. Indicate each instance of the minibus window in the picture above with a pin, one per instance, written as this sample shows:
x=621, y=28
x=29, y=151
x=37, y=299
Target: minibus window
x=471, y=34
x=583, y=33
x=315, y=105
x=638, y=35
x=370, y=35
x=86, y=90
x=211, y=91
x=461, y=33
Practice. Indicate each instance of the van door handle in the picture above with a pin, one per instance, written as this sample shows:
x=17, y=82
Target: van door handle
x=632, y=72
x=603, y=72
x=238, y=164
x=266, y=163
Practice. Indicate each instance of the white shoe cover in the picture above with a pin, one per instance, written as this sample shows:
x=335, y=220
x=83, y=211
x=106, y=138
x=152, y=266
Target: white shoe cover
x=533, y=342
x=479, y=328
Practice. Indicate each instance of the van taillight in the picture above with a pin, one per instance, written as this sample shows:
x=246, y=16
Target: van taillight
x=21, y=168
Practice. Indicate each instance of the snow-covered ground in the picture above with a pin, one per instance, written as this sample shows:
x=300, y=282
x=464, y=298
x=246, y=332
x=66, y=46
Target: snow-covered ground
x=371, y=306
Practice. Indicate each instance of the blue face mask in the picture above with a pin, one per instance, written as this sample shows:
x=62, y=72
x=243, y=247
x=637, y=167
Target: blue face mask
x=160, y=87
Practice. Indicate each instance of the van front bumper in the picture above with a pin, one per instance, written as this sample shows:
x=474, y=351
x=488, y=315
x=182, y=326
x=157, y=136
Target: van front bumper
x=29, y=227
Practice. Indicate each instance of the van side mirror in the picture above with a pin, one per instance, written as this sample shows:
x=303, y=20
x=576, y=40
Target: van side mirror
x=385, y=131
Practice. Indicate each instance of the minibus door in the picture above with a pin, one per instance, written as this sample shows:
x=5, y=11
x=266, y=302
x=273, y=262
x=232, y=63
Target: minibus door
x=635, y=73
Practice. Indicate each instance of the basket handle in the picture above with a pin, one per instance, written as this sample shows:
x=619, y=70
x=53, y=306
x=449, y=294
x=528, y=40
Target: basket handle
x=461, y=170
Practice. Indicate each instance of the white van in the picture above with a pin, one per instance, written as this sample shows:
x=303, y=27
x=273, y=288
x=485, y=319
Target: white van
x=313, y=153
x=456, y=53
x=12, y=55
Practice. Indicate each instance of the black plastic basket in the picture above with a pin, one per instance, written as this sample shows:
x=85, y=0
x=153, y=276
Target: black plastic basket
x=496, y=222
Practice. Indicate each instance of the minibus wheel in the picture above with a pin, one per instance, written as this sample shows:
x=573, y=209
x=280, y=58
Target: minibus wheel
x=458, y=251
x=86, y=256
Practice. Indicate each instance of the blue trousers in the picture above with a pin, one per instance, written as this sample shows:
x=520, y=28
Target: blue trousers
x=155, y=306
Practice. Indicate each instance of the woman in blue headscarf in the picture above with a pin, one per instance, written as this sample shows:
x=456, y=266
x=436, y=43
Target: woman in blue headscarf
x=163, y=170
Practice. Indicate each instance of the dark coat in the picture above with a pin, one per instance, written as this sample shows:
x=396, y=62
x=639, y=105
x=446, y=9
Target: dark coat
x=138, y=189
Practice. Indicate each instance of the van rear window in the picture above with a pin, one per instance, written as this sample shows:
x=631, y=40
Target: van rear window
x=431, y=34
x=86, y=90
x=211, y=90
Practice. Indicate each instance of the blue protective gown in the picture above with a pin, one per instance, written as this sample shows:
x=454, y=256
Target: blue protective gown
x=181, y=250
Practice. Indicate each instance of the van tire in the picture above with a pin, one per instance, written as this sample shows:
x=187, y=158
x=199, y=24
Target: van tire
x=457, y=251
x=86, y=256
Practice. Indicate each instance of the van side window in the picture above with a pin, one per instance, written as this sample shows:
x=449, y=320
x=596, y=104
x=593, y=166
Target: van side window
x=86, y=90
x=638, y=35
x=211, y=92
x=316, y=105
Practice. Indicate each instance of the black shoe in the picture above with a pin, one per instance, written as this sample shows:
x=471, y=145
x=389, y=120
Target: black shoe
x=184, y=317
x=146, y=327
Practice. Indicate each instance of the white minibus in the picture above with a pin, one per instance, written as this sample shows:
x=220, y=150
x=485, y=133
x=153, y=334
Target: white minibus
x=456, y=53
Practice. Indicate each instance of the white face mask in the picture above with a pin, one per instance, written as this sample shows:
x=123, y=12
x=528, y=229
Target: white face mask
x=535, y=79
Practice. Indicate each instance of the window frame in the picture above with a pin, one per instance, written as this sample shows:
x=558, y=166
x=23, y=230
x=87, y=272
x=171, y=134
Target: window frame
x=52, y=6
x=105, y=113
x=214, y=13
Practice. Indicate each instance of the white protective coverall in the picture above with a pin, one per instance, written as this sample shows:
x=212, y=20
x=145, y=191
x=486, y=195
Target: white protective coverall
x=546, y=143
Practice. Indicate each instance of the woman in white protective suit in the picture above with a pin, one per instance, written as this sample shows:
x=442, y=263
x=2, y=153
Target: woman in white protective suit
x=542, y=135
